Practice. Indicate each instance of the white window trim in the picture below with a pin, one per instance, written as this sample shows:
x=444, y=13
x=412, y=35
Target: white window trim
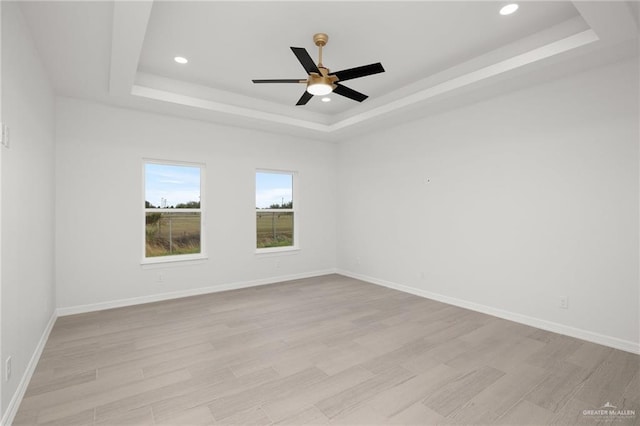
x=179, y=257
x=295, y=210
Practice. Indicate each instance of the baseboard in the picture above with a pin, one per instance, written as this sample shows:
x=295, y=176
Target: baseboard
x=80, y=309
x=601, y=339
x=14, y=404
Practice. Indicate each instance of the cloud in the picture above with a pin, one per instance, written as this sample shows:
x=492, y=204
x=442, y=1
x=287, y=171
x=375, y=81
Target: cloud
x=267, y=197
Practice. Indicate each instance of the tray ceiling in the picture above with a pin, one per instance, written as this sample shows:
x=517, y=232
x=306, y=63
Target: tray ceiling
x=122, y=53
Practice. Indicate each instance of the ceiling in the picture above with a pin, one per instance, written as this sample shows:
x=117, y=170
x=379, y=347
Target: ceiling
x=437, y=55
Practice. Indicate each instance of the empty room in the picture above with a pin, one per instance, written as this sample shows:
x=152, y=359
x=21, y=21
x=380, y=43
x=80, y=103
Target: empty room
x=320, y=212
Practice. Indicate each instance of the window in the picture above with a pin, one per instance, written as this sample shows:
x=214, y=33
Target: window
x=173, y=211
x=275, y=211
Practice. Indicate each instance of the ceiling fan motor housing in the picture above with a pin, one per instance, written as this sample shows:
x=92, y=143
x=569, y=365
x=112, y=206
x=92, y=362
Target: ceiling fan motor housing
x=324, y=78
x=321, y=84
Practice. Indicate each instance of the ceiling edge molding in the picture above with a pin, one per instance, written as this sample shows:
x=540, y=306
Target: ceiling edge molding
x=207, y=93
x=190, y=101
x=569, y=43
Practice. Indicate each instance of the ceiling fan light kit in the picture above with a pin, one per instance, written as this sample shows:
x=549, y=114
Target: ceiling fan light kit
x=320, y=87
x=320, y=80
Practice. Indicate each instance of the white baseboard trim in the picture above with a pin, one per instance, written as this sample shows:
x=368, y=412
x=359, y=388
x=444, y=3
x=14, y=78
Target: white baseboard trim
x=601, y=339
x=14, y=404
x=80, y=309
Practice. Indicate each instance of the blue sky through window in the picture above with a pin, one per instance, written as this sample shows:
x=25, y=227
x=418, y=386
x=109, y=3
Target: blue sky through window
x=168, y=185
x=273, y=188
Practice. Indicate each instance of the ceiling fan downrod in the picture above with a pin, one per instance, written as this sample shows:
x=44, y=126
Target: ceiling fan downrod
x=320, y=40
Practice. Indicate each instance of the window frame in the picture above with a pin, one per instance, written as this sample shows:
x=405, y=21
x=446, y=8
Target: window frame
x=176, y=257
x=295, y=210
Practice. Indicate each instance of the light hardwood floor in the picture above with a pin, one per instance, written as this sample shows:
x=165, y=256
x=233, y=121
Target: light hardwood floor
x=326, y=350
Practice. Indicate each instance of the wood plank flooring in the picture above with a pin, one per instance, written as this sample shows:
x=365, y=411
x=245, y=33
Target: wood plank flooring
x=326, y=350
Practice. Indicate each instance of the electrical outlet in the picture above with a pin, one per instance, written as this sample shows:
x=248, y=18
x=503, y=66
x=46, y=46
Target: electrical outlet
x=160, y=277
x=564, y=302
x=7, y=369
x=277, y=264
x=4, y=135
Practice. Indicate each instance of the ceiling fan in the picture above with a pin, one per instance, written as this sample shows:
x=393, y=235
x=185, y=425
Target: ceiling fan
x=321, y=81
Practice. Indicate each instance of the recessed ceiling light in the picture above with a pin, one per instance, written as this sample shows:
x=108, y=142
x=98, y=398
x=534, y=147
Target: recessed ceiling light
x=508, y=9
x=326, y=99
x=180, y=60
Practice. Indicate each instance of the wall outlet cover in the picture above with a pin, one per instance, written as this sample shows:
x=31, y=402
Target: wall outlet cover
x=4, y=135
x=564, y=302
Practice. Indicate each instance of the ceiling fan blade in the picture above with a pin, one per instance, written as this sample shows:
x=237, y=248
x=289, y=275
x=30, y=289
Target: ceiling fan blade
x=297, y=80
x=304, y=98
x=305, y=59
x=349, y=93
x=358, y=71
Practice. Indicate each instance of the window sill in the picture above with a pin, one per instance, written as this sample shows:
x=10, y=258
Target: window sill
x=277, y=251
x=156, y=262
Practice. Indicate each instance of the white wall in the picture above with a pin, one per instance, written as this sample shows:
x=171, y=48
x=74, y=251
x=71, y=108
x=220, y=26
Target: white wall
x=99, y=202
x=532, y=196
x=27, y=199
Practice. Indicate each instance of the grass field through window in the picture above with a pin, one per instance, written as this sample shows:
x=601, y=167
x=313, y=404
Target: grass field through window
x=274, y=229
x=171, y=233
